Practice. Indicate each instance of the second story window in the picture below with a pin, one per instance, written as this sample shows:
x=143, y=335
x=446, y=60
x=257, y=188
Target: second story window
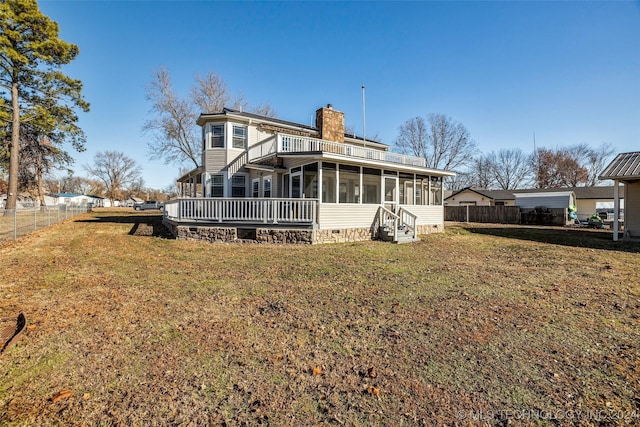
x=239, y=137
x=217, y=136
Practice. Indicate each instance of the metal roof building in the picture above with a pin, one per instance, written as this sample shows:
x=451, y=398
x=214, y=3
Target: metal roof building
x=625, y=168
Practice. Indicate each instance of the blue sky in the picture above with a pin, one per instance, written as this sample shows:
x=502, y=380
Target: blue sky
x=568, y=71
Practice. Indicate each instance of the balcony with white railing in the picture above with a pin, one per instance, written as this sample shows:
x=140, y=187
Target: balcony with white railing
x=302, y=144
x=243, y=210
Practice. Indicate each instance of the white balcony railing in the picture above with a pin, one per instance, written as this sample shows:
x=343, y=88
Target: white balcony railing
x=241, y=210
x=301, y=144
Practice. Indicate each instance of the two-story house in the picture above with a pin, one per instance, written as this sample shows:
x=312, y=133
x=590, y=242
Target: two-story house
x=271, y=180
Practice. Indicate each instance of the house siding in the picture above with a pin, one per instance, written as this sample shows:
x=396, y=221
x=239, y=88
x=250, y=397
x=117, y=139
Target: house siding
x=215, y=160
x=427, y=215
x=468, y=197
x=334, y=216
x=632, y=207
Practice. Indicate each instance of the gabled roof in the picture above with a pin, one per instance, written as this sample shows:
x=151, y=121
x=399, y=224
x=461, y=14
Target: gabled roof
x=624, y=166
x=582, y=193
x=491, y=194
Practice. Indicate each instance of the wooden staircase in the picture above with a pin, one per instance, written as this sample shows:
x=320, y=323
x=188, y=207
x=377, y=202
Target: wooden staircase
x=397, y=227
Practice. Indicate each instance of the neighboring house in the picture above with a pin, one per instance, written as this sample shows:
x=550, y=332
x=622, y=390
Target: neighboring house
x=271, y=180
x=588, y=200
x=474, y=196
x=23, y=201
x=73, y=199
x=132, y=201
x=625, y=168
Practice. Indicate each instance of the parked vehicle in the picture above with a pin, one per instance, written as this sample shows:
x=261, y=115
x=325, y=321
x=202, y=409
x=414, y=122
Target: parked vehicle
x=149, y=204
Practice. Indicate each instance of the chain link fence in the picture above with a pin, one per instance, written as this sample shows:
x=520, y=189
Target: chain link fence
x=15, y=223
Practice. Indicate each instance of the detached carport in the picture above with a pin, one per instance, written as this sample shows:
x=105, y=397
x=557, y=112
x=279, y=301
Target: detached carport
x=625, y=168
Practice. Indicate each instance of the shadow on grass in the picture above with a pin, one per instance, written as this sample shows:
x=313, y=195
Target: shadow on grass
x=142, y=224
x=583, y=238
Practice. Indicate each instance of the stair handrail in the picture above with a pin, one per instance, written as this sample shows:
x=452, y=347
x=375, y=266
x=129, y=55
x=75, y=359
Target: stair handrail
x=390, y=219
x=407, y=219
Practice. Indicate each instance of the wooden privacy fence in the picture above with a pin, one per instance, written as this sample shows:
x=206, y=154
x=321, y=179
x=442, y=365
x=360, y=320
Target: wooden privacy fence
x=505, y=215
x=487, y=214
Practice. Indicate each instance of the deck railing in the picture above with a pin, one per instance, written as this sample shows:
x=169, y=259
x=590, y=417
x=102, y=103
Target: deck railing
x=302, y=144
x=243, y=210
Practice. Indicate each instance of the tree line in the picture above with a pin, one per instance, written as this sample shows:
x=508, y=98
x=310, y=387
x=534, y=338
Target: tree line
x=447, y=144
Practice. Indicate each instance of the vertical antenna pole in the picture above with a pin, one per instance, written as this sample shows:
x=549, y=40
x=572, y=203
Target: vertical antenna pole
x=364, y=119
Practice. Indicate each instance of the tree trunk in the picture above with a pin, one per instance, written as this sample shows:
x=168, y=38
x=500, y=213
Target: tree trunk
x=40, y=183
x=14, y=153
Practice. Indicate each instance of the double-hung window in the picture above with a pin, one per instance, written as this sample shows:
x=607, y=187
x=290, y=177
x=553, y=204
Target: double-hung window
x=266, y=186
x=238, y=186
x=239, y=137
x=217, y=186
x=217, y=136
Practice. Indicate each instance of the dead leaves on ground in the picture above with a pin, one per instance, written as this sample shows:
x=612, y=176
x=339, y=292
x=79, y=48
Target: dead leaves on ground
x=62, y=395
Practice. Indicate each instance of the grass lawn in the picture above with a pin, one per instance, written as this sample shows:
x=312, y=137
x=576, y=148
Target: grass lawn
x=479, y=325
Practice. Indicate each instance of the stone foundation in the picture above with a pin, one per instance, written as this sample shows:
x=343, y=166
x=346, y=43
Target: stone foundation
x=269, y=235
x=208, y=234
x=282, y=235
x=429, y=229
x=342, y=235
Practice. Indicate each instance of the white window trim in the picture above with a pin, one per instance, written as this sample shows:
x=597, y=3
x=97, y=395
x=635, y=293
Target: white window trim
x=270, y=179
x=246, y=183
x=224, y=180
x=246, y=136
x=255, y=181
x=224, y=136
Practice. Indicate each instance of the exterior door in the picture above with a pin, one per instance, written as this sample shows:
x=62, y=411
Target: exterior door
x=296, y=185
x=391, y=192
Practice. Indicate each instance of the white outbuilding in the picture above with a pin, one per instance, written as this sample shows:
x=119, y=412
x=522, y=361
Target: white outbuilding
x=551, y=200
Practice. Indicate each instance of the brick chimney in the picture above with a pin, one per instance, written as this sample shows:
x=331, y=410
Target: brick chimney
x=330, y=123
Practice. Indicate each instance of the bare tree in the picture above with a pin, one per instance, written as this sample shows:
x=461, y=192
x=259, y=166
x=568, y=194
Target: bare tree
x=508, y=168
x=460, y=180
x=596, y=161
x=440, y=140
x=174, y=133
x=481, y=173
x=211, y=95
x=115, y=170
x=175, y=137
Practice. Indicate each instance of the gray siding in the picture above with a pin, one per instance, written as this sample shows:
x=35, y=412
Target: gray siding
x=215, y=161
x=551, y=201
